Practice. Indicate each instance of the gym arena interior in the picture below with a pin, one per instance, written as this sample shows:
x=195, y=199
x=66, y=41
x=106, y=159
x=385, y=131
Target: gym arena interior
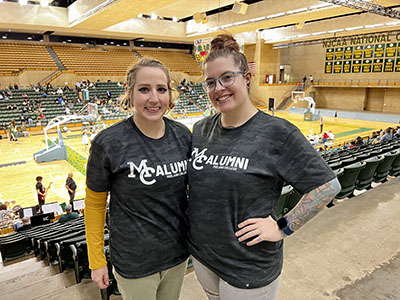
x=335, y=59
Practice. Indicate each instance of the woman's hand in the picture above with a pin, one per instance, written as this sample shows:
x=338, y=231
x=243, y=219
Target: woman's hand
x=258, y=230
x=100, y=277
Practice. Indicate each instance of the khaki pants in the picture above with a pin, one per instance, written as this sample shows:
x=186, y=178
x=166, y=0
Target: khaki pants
x=218, y=289
x=164, y=285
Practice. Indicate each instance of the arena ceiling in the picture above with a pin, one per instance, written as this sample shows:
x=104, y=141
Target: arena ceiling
x=277, y=21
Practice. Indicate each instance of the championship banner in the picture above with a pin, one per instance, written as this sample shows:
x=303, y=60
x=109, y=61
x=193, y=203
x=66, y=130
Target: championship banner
x=368, y=51
x=347, y=66
x=397, y=66
x=356, y=66
x=338, y=53
x=366, y=66
x=328, y=67
x=379, y=51
x=329, y=54
x=337, y=68
x=391, y=49
x=378, y=65
x=348, y=53
x=389, y=65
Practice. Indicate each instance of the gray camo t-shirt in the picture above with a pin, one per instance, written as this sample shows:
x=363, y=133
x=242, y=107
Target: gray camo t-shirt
x=236, y=174
x=147, y=181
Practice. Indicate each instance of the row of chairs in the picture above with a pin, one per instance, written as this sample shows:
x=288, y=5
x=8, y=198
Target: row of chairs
x=356, y=170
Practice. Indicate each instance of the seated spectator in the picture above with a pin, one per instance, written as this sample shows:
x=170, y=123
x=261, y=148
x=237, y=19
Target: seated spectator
x=26, y=224
x=352, y=145
x=24, y=95
x=44, y=95
x=359, y=141
x=4, y=212
x=60, y=91
x=331, y=136
x=325, y=137
x=69, y=215
x=16, y=86
x=24, y=131
x=386, y=137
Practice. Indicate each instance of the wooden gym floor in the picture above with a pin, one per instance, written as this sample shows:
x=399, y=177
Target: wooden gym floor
x=18, y=169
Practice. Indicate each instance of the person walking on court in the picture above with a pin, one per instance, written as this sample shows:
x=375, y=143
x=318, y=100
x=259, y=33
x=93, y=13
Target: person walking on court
x=321, y=124
x=41, y=192
x=70, y=185
x=141, y=162
x=241, y=158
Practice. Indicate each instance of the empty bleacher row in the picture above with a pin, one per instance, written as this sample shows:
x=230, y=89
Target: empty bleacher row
x=17, y=57
x=356, y=168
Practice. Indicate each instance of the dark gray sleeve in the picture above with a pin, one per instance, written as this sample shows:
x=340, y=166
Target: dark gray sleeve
x=301, y=166
x=98, y=174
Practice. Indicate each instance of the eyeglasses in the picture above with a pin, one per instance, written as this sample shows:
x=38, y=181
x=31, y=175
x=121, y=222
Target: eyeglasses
x=226, y=80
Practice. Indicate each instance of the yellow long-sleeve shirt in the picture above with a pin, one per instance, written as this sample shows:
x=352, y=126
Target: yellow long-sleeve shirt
x=95, y=217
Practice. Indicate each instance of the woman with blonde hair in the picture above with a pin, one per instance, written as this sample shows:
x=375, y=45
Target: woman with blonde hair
x=141, y=163
x=241, y=158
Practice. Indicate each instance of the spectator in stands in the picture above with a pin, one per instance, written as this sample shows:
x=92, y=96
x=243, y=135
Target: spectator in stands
x=233, y=238
x=26, y=224
x=331, y=136
x=397, y=134
x=10, y=107
x=48, y=87
x=69, y=215
x=16, y=87
x=359, y=141
x=108, y=95
x=24, y=96
x=60, y=91
x=153, y=205
x=24, y=131
x=10, y=87
x=387, y=136
x=4, y=212
x=66, y=87
x=352, y=144
x=325, y=137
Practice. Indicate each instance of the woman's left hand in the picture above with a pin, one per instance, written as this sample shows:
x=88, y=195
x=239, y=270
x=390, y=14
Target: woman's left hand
x=258, y=230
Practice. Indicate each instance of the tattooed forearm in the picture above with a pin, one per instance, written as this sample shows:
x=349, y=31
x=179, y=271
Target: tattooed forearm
x=312, y=203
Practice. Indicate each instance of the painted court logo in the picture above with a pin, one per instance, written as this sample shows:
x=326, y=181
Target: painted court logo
x=147, y=175
x=228, y=162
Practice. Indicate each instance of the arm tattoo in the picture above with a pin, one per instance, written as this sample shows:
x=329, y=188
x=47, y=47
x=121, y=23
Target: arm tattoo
x=312, y=203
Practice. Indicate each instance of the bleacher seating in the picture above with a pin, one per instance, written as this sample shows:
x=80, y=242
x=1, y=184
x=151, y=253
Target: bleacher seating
x=356, y=169
x=17, y=57
x=86, y=61
x=174, y=60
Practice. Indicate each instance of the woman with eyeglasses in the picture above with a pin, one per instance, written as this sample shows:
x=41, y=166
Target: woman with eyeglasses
x=241, y=158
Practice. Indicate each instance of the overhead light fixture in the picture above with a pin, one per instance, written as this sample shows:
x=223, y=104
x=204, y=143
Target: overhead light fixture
x=29, y=37
x=23, y=2
x=318, y=33
x=335, y=30
x=295, y=11
x=4, y=36
x=353, y=28
x=303, y=35
x=140, y=16
x=275, y=15
x=174, y=19
x=367, y=6
x=153, y=16
x=44, y=3
x=374, y=25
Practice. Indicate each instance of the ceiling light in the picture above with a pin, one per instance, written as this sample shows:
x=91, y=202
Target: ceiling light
x=303, y=35
x=241, y=22
x=125, y=44
x=374, y=25
x=257, y=19
x=44, y=3
x=318, y=6
x=29, y=37
x=23, y=2
x=118, y=45
x=112, y=43
x=275, y=15
x=69, y=41
x=353, y=28
x=140, y=16
x=318, y=33
x=295, y=11
x=392, y=23
x=335, y=30
x=4, y=36
x=153, y=16
x=174, y=19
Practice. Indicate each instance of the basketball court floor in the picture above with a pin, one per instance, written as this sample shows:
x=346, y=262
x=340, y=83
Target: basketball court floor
x=18, y=169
